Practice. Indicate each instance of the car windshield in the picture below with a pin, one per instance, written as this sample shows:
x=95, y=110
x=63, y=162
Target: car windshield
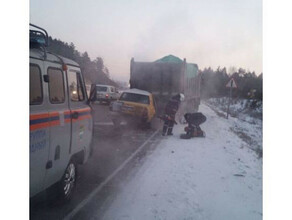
x=101, y=88
x=132, y=97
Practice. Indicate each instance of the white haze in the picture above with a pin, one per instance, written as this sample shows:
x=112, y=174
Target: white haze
x=207, y=32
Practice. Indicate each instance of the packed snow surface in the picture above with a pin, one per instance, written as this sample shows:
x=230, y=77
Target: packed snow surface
x=218, y=177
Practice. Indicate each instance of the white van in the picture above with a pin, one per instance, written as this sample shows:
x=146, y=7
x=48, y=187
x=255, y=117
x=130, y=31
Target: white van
x=106, y=93
x=61, y=122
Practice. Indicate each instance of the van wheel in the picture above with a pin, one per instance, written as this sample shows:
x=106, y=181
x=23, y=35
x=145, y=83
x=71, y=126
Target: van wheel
x=68, y=181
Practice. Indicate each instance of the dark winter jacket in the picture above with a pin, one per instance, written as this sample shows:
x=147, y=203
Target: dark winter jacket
x=172, y=107
x=195, y=118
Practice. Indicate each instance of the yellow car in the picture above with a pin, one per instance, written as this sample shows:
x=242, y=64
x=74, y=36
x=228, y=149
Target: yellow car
x=133, y=105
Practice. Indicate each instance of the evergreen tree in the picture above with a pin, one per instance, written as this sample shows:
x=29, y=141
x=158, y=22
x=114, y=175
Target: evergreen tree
x=93, y=71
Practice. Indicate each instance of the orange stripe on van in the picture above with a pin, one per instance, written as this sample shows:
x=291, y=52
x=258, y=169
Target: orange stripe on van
x=38, y=116
x=38, y=121
x=39, y=126
x=54, y=123
x=83, y=110
x=82, y=118
x=53, y=114
x=67, y=120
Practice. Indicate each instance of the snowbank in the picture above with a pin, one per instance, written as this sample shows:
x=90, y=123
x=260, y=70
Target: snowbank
x=245, y=109
x=245, y=122
x=217, y=177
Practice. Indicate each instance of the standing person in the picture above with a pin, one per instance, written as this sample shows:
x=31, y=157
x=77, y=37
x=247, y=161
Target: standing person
x=169, y=113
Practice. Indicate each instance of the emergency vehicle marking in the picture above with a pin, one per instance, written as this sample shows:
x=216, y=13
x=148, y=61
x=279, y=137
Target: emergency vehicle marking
x=51, y=119
x=37, y=140
x=81, y=132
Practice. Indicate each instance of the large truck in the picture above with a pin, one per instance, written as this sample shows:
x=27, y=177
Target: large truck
x=167, y=77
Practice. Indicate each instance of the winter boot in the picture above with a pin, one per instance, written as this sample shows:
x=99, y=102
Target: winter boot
x=164, y=129
x=169, y=131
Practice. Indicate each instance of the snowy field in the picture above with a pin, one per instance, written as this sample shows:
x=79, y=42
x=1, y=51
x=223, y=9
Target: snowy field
x=244, y=109
x=216, y=178
x=246, y=121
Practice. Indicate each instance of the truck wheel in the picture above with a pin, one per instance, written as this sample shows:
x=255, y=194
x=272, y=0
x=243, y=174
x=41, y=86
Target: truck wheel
x=68, y=181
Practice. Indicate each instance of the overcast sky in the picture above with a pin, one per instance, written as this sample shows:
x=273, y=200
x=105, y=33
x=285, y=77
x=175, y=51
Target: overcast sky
x=207, y=32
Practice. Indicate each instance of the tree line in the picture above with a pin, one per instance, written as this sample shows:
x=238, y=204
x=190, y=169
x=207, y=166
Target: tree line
x=213, y=84
x=94, y=71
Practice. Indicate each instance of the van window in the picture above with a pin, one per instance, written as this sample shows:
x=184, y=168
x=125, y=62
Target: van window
x=76, y=89
x=35, y=85
x=101, y=88
x=56, y=86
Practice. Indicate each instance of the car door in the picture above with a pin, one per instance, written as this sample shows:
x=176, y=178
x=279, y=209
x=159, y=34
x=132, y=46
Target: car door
x=60, y=128
x=39, y=141
x=81, y=113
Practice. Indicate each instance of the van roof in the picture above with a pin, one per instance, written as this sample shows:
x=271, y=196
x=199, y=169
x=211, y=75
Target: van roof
x=38, y=54
x=138, y=91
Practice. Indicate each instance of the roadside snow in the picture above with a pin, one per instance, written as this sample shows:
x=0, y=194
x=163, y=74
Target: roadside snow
x=248, y=128
x=217, y=177
x=245, y=109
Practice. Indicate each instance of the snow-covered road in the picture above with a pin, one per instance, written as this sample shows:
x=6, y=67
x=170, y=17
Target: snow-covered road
x=217, y=177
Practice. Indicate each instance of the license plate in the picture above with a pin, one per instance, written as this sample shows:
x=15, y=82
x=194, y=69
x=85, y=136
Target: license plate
x=127, y=108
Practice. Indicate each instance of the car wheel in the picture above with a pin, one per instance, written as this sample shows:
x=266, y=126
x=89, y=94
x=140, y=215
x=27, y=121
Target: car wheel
x=68, y=181
x=148, y=125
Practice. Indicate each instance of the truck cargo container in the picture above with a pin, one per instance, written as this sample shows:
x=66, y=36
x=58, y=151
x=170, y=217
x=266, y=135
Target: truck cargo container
x=166, y=77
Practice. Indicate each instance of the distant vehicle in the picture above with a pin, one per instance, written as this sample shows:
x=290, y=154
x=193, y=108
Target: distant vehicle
x=134, y=105
x=166, y=77
x=106, y=93
x=60, y=118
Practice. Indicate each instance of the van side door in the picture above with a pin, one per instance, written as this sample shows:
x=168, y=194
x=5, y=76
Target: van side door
x=81, y=114
x=39, y=127
x=60, y=123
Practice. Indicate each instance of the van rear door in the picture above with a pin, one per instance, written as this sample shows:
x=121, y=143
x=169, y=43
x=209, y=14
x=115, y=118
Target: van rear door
x=81, y=114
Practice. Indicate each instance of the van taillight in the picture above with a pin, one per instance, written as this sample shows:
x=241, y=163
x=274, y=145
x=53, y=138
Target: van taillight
x=106, y=95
